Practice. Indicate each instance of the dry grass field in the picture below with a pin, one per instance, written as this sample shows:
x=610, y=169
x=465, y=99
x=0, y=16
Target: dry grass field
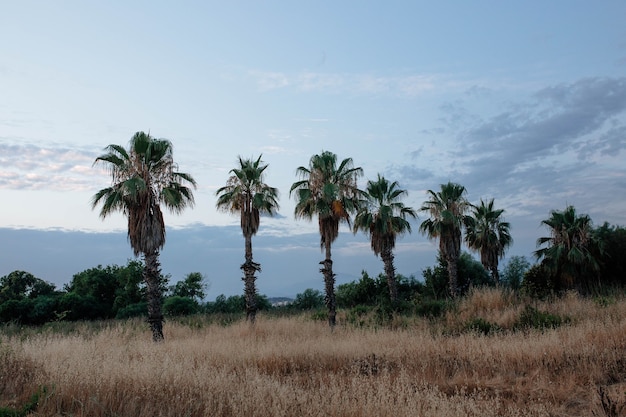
x=296, y=366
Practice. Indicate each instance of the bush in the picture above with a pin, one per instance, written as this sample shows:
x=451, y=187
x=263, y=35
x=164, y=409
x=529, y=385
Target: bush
x=133, y=310
x=365, y=291
x=538, y=282
x=357, y=315
x=431, y=308
x=480, y=325
x=26, y=409
x=180, y=306
x=375, y=291
x=471, y=273
x=535, y=319
x=513, y=273
x=232, y=304
x=44, y=309
x=15, y=310
x=310, y=299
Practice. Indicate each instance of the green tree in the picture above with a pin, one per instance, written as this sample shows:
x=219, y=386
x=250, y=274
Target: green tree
x=246, y=193
x=144, y=177
x=328, y=191
x=308, y=300
x=180, y=306
x=383, y=217
x=100, y=286
x=572, y=251
x=232, y=304
x=471, y=273
x=513, y=273
x=130, y=291
x=19, y=285
x=192, y=286
x=365, y=291
x=27, y=299
x=488, y=234
x=447, y=210
x=613, y=265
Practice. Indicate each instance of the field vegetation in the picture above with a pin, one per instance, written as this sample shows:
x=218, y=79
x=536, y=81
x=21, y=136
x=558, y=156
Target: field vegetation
x=491, y=352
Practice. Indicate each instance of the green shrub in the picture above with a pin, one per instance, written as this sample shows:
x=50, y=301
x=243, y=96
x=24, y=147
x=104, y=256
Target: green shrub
x=431, y=308
x=222, y=304
x=480, y=325
x=26, y=409
x=604, y=301
x=357, y=315
x=538, y=282
x=320, y=315
x=180, y=306
x=535, y=319
x=310, y=299
x=132, y=310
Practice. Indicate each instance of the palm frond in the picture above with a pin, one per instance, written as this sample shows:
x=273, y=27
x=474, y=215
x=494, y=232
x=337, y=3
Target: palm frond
x=143, y=177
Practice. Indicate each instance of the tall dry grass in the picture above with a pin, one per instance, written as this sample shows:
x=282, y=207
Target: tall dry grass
x=298, y=367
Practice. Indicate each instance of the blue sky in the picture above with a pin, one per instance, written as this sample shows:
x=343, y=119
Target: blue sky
x=524, y=102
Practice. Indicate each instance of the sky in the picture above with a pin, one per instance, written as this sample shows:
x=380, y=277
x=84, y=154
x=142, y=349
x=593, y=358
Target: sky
x=522, y=102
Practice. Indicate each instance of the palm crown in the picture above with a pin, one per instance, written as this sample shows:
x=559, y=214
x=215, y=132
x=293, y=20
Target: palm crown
x=245, y=192
x=144, y=177
x=383, y=216
x=328, y=191
x=572, y=246
x=489, y=234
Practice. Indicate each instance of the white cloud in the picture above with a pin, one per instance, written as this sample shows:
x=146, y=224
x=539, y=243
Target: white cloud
x=267, y=81
x=27, y=166
x=411, y=85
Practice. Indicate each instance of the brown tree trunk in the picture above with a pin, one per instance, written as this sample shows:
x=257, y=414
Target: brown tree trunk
x=453, y=276
x=390, y=272
x=450, y=248
x=151, y=275
x=329, y=287
x=495, y=275
x=249, y=268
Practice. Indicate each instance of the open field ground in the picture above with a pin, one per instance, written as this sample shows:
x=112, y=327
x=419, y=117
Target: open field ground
x=295, y=366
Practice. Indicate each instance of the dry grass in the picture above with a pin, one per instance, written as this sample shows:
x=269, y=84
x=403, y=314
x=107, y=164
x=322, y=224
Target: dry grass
x=297, y=367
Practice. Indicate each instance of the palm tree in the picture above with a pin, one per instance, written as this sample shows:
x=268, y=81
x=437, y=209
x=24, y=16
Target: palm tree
x=447, y=215
x=144, y=176
x=572, y=248
x=246, y=193
x=489, y=235
x=330, y=192
x=383, y=217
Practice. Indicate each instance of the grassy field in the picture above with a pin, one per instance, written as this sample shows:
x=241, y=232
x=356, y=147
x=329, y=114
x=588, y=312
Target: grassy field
x=492, y=355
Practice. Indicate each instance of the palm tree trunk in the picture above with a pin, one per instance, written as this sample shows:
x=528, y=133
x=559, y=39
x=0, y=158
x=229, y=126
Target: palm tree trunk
x=450, y=247
x=453, y=276
x=495, y=275
x=329, y=286
x=249, y=269
x=151, y=275
x=390, y=272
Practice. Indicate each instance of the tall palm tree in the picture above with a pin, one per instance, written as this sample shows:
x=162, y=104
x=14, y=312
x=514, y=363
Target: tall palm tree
x=572, y=250
x=330, y=192
x=447, y=210
x=246, y=193
x=144, y=177
x=488, y=234
x=384, y=217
